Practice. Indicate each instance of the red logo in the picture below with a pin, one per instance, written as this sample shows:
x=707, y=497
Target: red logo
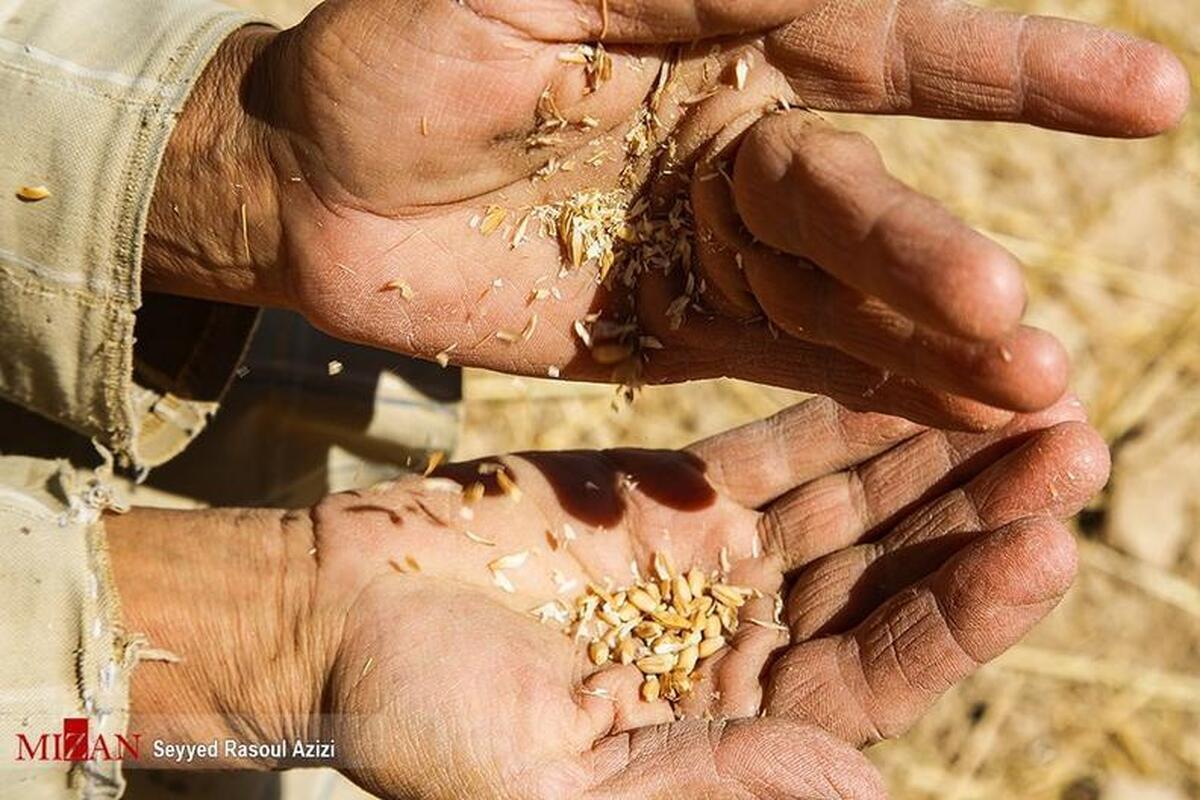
x=76, y=744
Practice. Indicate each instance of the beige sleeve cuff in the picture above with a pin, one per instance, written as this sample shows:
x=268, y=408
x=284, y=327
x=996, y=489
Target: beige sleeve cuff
x=91, y=91
x=62, y=654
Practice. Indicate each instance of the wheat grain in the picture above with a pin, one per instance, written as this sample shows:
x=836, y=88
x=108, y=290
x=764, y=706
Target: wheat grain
x=493, y=218
x=598, y=652
x=508, y=486
x=666, y=626
x=657, y=664
x=474, y=493
x=708, y=647
x=33, y=194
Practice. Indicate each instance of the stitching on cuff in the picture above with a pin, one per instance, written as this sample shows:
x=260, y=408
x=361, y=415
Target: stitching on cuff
x=104, y=676
x=141, y=172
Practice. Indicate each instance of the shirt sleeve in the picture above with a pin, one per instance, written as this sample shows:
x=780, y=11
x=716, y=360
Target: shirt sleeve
x=91, y=90
x=64, y=661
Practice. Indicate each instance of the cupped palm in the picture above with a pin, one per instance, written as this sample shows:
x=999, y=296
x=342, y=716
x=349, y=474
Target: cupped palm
x=906, y=559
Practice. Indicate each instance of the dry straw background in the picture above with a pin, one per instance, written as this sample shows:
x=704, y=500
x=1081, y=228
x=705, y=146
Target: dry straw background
x=1103, y=700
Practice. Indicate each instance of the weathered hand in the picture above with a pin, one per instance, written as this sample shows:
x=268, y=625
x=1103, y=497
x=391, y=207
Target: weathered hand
x=371, y=136
x=907, y=558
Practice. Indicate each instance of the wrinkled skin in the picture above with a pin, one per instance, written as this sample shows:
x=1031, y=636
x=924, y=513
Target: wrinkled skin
x=908, y=311
x=907, y=558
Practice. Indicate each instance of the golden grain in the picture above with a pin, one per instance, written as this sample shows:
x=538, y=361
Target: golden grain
x=493, y=218
x=657, y=664
x=598, y=652
x=473, y=493
x=642, y=600
x=710, y=646
x=727, y=595
x=671, y=619
x=33, y=194
x=435, y=460
x=508, y=486
x=664, y=626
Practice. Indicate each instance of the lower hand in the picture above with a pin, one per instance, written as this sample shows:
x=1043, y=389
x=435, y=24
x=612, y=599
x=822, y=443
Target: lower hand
x=906, y=558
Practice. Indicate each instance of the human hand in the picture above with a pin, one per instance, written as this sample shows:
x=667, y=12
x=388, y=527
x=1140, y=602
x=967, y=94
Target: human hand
x=907, y=558
x=370, y=136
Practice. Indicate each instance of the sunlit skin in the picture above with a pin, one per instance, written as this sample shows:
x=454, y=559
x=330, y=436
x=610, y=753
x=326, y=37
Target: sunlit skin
x=907, y=557
x=366, y=141
x=371, y=135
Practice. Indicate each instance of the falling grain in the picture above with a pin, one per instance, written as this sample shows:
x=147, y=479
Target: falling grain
x=435, y=460
x=508, y=486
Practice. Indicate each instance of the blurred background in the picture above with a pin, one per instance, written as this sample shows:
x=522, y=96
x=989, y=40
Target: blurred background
x=1103, y=700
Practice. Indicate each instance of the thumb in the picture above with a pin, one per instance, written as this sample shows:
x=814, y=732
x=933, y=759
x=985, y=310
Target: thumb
x=756, y=758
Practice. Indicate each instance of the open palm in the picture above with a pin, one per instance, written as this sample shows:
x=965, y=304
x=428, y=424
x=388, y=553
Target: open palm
x=395, y=125
x=906, y=558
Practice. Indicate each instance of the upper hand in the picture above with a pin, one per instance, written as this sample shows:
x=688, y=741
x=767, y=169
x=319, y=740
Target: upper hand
x=378, y=131
x=906, y=557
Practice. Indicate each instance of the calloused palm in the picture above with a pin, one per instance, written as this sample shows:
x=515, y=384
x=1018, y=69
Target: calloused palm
x=906, y=557
x=392, y=124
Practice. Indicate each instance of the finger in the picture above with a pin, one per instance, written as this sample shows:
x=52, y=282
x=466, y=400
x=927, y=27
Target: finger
x=759, y=758
x=612, y=700
x=712, y=347
x=808, y=190
x=877, y=680
x=756, y=463
x=840, y=509
x=1026, y=370
x=1053, y=474
x=644, y=21
x=825, y=194
x=948, y=59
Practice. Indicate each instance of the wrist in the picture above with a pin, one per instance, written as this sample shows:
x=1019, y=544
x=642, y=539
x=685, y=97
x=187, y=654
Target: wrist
x=231, y=595
x=213, y=229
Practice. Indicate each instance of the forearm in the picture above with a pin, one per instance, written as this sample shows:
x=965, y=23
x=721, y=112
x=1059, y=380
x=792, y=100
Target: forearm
x=213, y=229
x=231, y=594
